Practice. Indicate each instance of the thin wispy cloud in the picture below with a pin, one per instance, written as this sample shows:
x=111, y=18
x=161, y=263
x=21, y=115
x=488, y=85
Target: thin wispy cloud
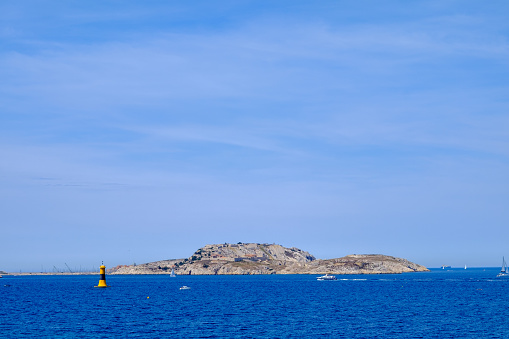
x=284, y=117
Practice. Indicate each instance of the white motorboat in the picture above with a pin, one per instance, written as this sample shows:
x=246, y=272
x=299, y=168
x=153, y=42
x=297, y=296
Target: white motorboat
x=327, y=277
x=185, y=288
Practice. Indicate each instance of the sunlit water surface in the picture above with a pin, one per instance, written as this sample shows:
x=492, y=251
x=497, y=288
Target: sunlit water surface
x=453, y=303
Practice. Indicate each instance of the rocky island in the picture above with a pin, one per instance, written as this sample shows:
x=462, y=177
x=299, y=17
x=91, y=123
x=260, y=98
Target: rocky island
x=250, y=258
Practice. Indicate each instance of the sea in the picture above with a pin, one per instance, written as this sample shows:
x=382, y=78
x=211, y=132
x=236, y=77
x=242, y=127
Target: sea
x=450, y=303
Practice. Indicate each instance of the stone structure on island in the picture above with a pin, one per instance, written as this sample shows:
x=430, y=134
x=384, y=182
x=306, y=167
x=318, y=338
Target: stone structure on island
x=242, y=258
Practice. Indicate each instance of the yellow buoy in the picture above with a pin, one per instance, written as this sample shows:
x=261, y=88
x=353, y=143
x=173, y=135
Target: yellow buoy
x=102, y=279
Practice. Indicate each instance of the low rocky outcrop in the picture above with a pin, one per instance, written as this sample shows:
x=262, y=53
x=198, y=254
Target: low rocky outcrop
x=237, y=259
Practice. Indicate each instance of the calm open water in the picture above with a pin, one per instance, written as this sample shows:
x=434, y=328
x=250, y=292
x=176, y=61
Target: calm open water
x=439, y=304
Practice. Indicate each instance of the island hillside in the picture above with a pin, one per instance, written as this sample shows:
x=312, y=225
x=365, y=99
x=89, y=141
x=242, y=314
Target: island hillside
x=249, y=258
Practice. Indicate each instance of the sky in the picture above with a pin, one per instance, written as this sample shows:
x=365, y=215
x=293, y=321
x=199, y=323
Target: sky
x=133, y=132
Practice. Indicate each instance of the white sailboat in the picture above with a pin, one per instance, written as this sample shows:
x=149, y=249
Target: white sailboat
x=504, y=272
x=172, y=275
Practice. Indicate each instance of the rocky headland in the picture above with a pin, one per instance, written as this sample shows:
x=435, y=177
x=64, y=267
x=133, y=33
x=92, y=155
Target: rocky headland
x=250, y=258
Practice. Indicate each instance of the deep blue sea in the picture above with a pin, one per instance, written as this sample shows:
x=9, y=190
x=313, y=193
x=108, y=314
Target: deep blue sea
x=453, y=303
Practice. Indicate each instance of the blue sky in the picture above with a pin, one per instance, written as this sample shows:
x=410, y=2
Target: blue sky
x=141, y=131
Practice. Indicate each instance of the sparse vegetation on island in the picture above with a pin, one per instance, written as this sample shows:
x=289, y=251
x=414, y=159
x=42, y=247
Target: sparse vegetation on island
x=251, y=258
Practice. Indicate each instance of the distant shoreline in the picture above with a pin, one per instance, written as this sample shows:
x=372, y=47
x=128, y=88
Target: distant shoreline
x=7, y=274
x=47, y=273
x=258, y=259
x=183, y=275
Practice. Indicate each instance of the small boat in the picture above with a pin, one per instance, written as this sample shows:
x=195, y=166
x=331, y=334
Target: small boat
x=445, y=266
x=504, y=272
x=185, y=288
x=326, y=277
x=172, y=275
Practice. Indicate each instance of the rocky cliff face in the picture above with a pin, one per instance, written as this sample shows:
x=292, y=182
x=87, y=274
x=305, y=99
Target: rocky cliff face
x=269, y=259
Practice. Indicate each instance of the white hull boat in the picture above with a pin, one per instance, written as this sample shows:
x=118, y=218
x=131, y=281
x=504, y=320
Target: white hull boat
x=327, y=277
x=504, y=272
